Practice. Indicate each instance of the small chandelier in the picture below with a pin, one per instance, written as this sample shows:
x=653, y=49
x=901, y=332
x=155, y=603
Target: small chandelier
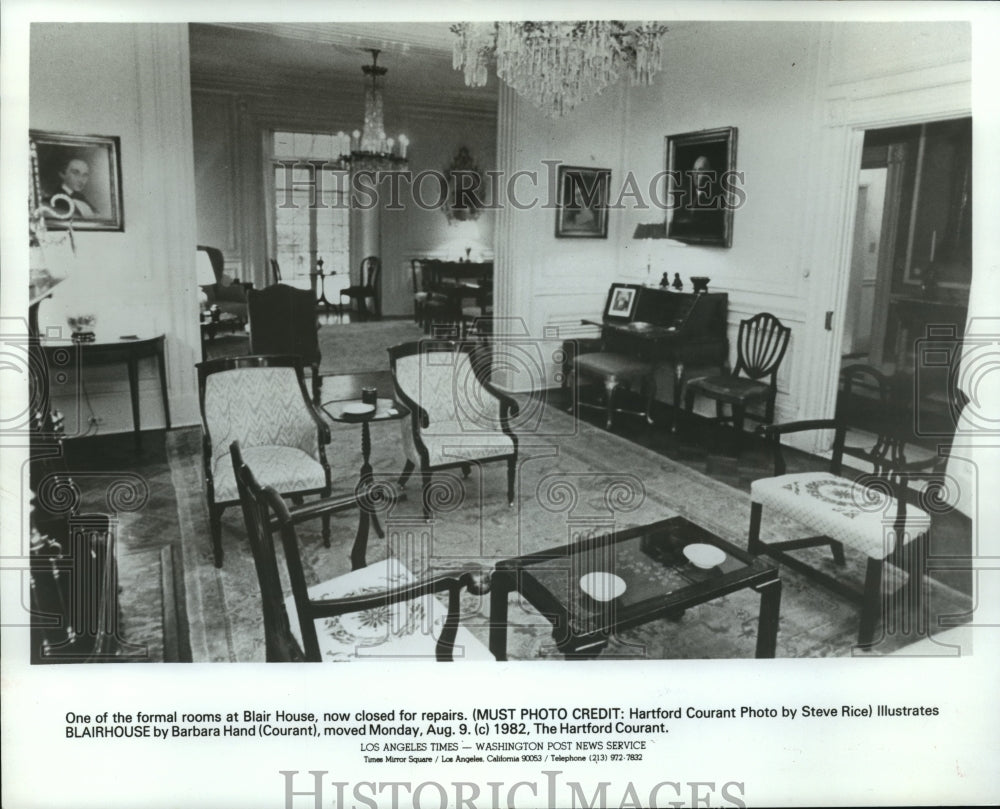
x=371, y=150
x=556, y=65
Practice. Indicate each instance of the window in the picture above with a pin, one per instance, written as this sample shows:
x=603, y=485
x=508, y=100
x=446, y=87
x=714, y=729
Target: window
x=311, y=212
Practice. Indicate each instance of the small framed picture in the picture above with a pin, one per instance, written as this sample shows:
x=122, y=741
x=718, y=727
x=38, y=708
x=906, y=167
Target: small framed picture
x=703, y=184
x=582, y=212
x=76, y=180
x=621, y=301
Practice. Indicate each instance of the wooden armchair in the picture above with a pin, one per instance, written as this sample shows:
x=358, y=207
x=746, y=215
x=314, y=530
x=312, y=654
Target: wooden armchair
x=457, y=417
x=379, y=611
x=261, y=402
x=872, y=513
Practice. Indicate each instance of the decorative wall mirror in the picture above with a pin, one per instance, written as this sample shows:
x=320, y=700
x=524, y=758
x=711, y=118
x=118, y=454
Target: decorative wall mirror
x=465, y=188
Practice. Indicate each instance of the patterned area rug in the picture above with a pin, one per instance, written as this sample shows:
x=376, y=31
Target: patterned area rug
x=361, y=347
x=345, y=349
x=572, y=478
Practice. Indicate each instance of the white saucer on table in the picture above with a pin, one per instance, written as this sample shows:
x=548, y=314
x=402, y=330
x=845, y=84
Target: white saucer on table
x=703, y=555
x=602, y=586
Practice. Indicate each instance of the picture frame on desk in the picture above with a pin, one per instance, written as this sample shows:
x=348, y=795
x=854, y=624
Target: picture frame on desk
x=79, y=170
x=582, y=211
x=704, y=187
x=620, y=302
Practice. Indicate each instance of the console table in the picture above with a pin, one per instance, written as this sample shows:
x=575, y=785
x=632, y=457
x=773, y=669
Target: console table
x=109, y=352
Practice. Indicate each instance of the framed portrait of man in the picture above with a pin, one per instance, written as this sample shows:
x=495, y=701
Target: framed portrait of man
x=78, y=174
x=704, y=187
x=582, y=212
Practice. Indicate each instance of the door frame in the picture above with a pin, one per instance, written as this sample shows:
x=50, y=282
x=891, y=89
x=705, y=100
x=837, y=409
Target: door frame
x=850, y=113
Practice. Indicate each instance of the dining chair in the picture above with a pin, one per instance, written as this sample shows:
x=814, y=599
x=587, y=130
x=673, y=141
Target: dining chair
x=456, y=416
x=367, y=287
x=260, y=401
x=283, y=320
x=760, y=348
x=380, y=611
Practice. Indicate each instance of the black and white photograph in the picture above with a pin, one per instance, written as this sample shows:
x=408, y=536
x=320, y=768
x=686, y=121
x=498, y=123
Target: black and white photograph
x=682, y=502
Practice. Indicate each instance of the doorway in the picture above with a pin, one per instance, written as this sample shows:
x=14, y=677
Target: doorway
x=911, y=262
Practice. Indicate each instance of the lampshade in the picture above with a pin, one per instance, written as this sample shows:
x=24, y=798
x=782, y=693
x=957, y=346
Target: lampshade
x=205, y=273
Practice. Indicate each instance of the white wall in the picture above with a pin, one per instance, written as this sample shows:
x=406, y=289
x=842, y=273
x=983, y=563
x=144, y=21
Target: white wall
x=139, y=281
x=229, y=127
x=783, y=86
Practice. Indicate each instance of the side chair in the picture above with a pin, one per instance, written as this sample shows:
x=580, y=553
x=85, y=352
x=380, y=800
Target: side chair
x=367, y=287
x=376, y=612
x=456, y=416
x=260, y=401
x=760, y=348
x=283, y=320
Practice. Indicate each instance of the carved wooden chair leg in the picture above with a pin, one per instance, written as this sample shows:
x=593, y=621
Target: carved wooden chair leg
x=404, y=476
x=215, y=524
x=511, y=475
x=425, y=478
x=466, y=469
x=871, y=607
x=738, y=418
x=610, y=386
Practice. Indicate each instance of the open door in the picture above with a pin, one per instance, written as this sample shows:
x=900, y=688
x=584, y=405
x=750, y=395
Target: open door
x=912, y=261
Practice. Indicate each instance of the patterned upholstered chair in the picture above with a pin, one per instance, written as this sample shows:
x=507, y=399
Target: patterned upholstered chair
x=376, y=612
x=260, y=401
x=761, y=345
x=875, y=513
x=457, y=417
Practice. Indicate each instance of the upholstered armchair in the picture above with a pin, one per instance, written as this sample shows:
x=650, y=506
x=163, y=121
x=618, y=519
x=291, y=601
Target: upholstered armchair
x=456, y=416
x=260, y=401
x=226, y=294
x=377, y=612
x=876, y=514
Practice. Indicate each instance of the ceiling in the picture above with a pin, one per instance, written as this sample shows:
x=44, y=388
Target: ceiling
x=315, y=57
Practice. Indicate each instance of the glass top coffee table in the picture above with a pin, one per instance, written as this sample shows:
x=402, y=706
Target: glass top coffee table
x=597, y=587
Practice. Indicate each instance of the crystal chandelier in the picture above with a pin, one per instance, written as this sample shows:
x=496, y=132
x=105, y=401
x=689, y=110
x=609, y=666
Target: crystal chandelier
x=556, y=65
x=371, y=150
